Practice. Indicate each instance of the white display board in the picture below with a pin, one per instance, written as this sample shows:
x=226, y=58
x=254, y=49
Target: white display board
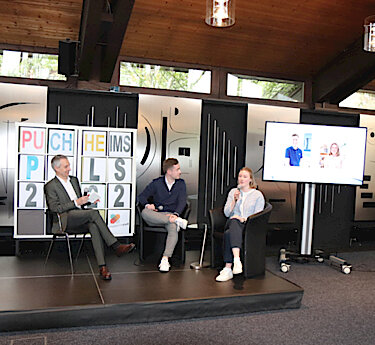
x=103, y=159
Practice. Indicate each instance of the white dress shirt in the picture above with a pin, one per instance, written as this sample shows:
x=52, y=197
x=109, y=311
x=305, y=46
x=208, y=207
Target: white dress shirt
x=69, y=189
x=169, y=185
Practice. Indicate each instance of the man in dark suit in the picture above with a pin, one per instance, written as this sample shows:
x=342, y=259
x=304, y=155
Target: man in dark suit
x=63, y=196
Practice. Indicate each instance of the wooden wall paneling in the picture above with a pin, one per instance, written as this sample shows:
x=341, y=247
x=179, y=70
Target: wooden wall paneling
x=295, y=38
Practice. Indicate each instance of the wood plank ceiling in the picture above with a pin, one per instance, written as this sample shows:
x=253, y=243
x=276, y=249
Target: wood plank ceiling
x=294, y=39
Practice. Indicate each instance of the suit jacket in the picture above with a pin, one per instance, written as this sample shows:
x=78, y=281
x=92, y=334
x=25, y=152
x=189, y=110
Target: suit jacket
x=58, y=201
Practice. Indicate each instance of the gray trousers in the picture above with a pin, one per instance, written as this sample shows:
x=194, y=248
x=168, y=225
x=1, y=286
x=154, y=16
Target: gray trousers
x=97, y=228
x=154, y=218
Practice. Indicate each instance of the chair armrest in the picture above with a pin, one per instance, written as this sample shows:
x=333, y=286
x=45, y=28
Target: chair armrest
x=267, y=208
x=186, y=211
x=139, y=208
x=254, y=216
x=217, y=219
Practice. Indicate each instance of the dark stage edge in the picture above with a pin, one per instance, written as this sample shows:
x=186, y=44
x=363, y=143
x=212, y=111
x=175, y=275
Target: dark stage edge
x=138, y=295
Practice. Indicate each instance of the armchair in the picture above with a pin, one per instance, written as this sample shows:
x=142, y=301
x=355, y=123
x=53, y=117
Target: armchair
x=254, y=243
x=144, y=228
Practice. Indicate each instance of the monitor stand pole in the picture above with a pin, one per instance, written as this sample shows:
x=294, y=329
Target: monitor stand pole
x=305, y=254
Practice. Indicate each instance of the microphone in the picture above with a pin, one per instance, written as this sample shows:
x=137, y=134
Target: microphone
x=85, y=193
x=239, y=189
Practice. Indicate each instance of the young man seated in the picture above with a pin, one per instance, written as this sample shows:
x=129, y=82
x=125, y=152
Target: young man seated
x=168, y=193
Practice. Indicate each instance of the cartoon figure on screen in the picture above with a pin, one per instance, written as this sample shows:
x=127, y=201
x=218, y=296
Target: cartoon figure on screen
x=242, y=202
x=293, y=154
x=64, y=197
x=333, y=160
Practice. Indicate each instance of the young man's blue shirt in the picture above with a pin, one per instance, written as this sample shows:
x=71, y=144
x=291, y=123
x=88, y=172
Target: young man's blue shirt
x=294, y=155
x=165, y=200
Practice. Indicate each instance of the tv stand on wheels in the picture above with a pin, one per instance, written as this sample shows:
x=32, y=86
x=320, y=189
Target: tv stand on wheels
x=305, y=255
x=286, y=257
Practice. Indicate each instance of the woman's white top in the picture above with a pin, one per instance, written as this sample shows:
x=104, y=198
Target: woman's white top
x=243, y=197
x=333, y=162
x=249, y=203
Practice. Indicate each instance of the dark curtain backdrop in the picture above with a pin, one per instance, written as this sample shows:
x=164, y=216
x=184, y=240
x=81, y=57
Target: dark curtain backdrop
x=75, y=105
x=222, y=152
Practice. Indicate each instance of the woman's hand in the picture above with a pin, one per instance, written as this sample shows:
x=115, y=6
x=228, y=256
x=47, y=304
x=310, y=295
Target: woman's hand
x=236, y=195
x=242, y=220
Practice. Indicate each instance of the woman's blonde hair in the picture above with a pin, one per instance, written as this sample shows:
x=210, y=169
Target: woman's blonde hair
x=253, y=184
x=338, y=150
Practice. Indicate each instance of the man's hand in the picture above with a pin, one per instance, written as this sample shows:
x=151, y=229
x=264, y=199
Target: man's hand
x=242, y=220
x=172, y=218
x=151, y=207
x=82, y=200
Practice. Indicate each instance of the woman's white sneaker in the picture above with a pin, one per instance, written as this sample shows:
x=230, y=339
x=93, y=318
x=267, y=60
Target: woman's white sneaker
x=164, y=265
x=237, y=266
x=225, y=275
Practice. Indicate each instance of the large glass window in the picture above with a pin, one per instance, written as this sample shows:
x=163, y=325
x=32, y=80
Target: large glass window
x=168, y=78
x=255, y=87
x=360, y=99
x=29, y=65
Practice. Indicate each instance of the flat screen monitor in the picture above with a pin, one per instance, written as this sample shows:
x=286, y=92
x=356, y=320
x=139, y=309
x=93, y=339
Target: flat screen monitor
x=308, y=153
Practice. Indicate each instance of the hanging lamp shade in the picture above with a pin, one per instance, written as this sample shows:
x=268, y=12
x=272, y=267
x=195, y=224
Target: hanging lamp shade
x=369, y=37
x=220, y=13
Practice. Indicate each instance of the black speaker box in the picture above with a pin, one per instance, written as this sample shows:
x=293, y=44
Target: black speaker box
x=67, y=57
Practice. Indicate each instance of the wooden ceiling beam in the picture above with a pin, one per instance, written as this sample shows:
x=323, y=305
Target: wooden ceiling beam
x=89, y=35
x=348, y=72
x=121, y=15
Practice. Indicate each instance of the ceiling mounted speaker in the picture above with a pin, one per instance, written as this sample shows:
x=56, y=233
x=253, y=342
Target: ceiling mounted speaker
x=67, y=57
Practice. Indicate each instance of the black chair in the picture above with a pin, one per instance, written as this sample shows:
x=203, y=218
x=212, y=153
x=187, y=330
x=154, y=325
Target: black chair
x=84, y=231
x=253, y=253
x=144, y=228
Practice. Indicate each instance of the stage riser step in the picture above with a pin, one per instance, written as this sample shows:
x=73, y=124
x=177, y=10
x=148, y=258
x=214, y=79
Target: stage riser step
x=146, y=312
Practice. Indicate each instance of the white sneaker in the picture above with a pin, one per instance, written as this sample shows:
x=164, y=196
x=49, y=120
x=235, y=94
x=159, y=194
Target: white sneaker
x=225, y=275
x=164, y=265
x=237, y=266
x=182, y=223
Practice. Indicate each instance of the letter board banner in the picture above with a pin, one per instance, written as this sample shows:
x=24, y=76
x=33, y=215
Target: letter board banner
x=102, y=159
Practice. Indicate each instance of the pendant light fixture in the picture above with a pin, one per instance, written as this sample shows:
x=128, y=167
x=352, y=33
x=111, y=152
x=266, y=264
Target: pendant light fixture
x=369, y=37
x=220, y=13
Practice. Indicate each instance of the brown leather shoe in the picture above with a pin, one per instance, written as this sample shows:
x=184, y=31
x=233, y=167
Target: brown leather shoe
x=124, y=248
x=104, y=273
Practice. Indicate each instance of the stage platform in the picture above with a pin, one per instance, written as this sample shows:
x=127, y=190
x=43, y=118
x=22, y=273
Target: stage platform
x=37, y=297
